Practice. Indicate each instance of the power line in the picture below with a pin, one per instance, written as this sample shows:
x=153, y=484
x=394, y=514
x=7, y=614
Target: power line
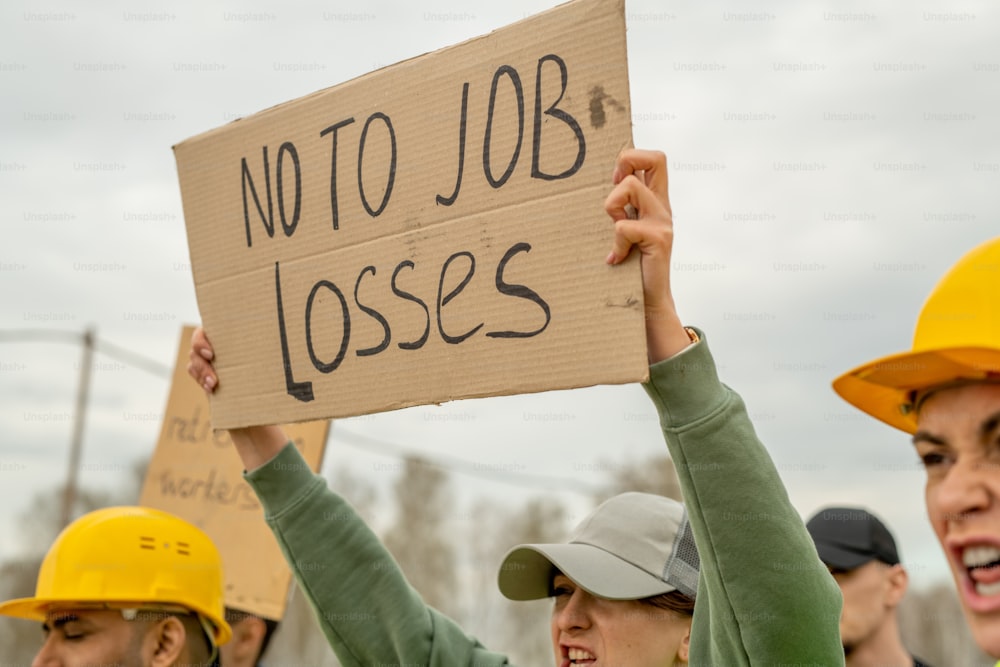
x=42, y=336
x=134, y=358
x=489, y=471
x=494, y=472
x=88, y=340
x=118, y=352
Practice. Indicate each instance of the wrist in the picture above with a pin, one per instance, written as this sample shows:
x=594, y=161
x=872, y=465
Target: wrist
x=256, y=445
x=665, y=337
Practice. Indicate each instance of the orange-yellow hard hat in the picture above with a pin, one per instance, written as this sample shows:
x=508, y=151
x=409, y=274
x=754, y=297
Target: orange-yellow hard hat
x=957, y=339
x=130, y=557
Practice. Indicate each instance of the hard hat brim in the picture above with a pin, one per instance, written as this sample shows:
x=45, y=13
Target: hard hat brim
x=36, y=609
x=32, y=609
x=884, y=388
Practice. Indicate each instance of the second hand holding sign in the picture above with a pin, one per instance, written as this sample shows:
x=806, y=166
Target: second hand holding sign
x=336, y=253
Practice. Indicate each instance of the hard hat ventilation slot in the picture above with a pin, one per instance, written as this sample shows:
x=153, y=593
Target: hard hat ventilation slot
x=183, y=549
x=147, y=543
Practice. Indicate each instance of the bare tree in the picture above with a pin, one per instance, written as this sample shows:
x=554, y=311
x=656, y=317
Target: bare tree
x=20, y=639
x=356, y=490
x=40, y=524
x=655, y=474
x=518, y=629
x=419, y=539
x=298, y=639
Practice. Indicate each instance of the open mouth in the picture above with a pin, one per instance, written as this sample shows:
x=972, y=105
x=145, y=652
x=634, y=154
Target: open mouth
x=579, y=656
x=982, y=563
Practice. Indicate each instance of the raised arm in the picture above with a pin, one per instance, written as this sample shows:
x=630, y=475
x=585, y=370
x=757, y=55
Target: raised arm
x=640, y=180
x=764, y=597
x=364, y=605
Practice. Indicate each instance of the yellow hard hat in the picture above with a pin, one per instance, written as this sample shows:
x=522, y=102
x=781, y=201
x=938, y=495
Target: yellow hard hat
x=130, y=557
x=957, y=339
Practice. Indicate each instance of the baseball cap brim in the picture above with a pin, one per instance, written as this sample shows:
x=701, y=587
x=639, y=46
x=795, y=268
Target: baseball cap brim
x=883, y=387
x=527, y=571
x=841, y=558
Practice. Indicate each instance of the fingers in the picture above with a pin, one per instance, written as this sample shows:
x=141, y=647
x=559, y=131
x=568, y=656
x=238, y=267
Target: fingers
x=649, y=166
x=625, y=237
x=200, y=361
x=631, y=191
x=653, y=220
x=201, y=345
x=640, y=179
x=652, y=241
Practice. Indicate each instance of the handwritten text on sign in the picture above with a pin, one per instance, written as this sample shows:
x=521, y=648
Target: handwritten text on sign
x=443, y=214
x=458, y=269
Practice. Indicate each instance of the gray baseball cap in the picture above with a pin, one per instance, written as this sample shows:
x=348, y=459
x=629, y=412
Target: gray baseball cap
x=633, y=546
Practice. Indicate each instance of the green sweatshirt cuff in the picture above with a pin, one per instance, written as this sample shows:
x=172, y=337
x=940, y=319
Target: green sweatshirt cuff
x=686, y=387
x=281, y=482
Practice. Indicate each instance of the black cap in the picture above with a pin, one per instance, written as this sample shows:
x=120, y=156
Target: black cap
x=849, y=537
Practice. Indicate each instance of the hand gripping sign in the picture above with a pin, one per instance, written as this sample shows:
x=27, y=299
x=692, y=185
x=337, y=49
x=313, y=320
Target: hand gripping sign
x=195, y=474
x=430, y=231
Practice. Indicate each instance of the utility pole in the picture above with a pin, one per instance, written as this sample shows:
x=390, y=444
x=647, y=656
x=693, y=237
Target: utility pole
x=90, y=345
x=76, y=445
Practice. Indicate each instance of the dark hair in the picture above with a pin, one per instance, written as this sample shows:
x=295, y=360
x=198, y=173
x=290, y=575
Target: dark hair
x=199, y=645
x=270, y=625
x=673, y=601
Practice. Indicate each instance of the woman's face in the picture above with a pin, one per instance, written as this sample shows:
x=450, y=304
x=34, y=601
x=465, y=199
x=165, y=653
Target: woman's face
x=593, y=631
x=958, y=440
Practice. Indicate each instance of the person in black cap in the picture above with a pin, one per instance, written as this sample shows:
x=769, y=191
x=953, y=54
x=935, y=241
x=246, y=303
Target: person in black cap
x=861, y=554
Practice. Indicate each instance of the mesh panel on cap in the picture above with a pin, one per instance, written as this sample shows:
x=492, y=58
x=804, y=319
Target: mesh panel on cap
x=681, y=570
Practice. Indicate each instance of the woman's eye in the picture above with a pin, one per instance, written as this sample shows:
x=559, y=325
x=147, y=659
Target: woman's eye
x=932, y=459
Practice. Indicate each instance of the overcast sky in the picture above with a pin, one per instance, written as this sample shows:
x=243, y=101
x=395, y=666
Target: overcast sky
x=828, y=161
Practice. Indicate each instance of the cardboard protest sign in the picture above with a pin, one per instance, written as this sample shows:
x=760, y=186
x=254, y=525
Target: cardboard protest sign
x=430, y=231
x=196, y=475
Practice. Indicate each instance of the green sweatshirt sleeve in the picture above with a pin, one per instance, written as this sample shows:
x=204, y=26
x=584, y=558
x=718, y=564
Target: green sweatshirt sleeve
x=764, y=597
x=366, y=608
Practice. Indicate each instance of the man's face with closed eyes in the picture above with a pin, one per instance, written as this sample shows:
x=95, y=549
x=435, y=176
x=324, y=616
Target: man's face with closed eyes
x=76, y=638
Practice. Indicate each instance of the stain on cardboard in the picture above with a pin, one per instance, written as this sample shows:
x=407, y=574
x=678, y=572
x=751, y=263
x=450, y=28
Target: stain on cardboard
x=598, y=98
x=317, y=280
x=631, y=302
